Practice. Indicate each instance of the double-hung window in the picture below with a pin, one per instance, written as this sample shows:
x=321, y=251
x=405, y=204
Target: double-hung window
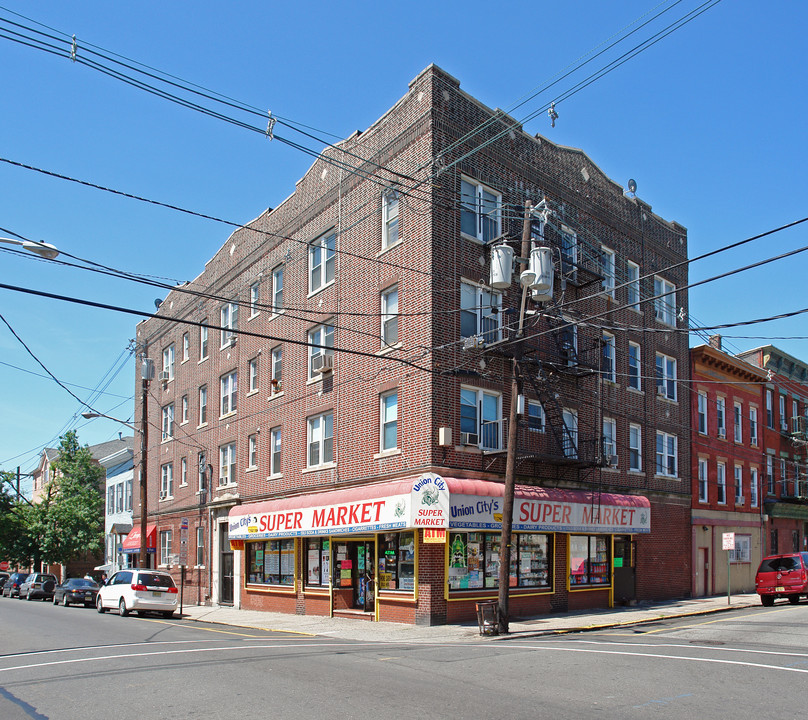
x=168, y=362
x=165, y=547
x=200, y=546
x=203, y=340
x=721, y=416
x=321, y=346
x=702, y=412
x=633, y=285
x=721, y=483
x=252, y=367
x=569, y=254
x=738, y=485
x=664, y=301
x=276, y=369
x=666, y=454
x=753, y=488
x=254, y=297
x=277, y=290
x=769, y=409
x=389, y=303
x=252, y=451
x=119, y=498
x=480, y=418
x=322, y=261
x=783, y=419
x=608, y=369
x=168, y=422
x=320, y=439
x=203, y=405
x=634, y=367
x=227, y=464
x=635, y=447
x=607, y=270
x=184, y=406
x=390, y=204
x=535, y=416
x=480, y=211
x=229, y=393
x=753, y=426
x=610, y=441
x=703, y=486
x=666, y=376
x=569, y=441
x=166, y=481
x=480, y=313
x=186, y=346
x=769, y=475
x=738, y=418
x=275, y=451
x=183, y=472
x=229, y=321
x=388, y=411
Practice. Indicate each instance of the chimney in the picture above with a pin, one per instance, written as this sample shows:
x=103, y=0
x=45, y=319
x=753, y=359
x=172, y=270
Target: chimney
x=715, y=341
x=120, y=435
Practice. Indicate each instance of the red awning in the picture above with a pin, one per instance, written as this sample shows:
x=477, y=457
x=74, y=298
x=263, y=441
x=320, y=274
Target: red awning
x=131, y=542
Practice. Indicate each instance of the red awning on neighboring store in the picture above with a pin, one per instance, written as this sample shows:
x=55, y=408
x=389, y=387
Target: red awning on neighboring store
x=131, y=543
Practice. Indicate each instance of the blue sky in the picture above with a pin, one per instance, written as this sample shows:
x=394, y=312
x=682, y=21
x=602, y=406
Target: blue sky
x=709, y=121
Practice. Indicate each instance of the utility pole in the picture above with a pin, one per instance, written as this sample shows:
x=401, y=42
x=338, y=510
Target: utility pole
x=510, y=458
x=146, y=373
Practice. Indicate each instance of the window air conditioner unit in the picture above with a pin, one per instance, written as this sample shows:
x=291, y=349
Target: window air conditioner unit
x=322, y=363
x=231, y=341
x=163, y=495
x=469, y=438
x=612, y=461
x=164, y=376
x=722, y=432
x=223, y=480
x=660, y=389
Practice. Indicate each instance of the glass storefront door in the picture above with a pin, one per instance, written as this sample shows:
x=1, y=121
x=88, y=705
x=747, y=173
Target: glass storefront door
x=354, y=564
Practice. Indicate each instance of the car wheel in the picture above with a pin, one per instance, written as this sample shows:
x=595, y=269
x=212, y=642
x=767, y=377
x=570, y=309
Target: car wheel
x=66, y=601
x=28, y=595
x=168, y=614
x=99, y=605
x=793, y=599
x=122, y=611
x=767, y=600
x=55, y=601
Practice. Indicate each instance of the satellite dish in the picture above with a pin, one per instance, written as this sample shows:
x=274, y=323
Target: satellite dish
x=157, y=303
x=632, y=185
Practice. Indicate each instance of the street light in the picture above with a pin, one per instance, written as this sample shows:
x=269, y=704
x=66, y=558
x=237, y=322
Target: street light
x=91, y=415
x=43, y=249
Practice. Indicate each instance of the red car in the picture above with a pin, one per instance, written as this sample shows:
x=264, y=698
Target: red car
x=782, y=576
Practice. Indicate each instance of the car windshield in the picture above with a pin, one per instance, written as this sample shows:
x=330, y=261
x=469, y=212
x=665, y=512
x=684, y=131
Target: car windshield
x=779, y=564
x=155, y=580
x=82, y=583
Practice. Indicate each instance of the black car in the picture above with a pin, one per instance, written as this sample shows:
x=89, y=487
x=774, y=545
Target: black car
x=76, y=591
x=11, y=588
x=3, y=577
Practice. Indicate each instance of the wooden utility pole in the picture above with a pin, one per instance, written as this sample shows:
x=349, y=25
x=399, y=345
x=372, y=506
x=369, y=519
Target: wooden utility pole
x=146, y=370
x=510, y=458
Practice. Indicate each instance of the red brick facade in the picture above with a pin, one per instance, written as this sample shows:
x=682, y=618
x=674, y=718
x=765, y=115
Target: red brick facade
x=433, y=145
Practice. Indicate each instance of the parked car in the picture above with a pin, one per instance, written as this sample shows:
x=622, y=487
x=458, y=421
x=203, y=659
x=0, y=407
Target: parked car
x=76, y=591
x=11, y=588
x=140, y=591
x=782, y=576
x=38, y=586
x=3, y=577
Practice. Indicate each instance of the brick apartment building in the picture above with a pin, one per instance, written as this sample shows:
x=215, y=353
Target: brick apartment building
x=331, y=410
x=728, y=467
x=784, y=421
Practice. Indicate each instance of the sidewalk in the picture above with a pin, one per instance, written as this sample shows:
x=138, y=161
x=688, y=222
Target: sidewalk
x=364, y=630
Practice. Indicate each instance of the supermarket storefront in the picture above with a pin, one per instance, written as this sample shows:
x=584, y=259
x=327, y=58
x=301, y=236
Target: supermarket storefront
x=426, y=549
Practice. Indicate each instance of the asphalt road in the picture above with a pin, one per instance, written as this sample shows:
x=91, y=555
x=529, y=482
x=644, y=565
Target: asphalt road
x=71, y=663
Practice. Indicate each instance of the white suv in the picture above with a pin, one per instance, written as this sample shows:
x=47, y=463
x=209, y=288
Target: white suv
x=140, y=590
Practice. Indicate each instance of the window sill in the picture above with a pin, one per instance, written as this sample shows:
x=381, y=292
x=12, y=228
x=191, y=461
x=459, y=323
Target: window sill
x=613, y=470
x=276, y=314
x=666, y=399
x=389, y=348
x=609, y=381
x=252, y=392
x=184, y=422
x=668, y=477
x=183, y=361
x=183, y=485
x=228, y=486
x=472, y=238
x=201, y=425
x=387, y=453
x=204, y=359
x=470, y=449
x=275, y=395
x=165, y=499
x=637, y=391
x=316, y=468
x=253, y=316
x=276, y=476
x=251, y=469
x=228, y=415
x=391, y=246
x=312, y=293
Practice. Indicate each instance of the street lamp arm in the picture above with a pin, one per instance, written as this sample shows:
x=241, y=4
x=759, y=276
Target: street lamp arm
x=91, y=415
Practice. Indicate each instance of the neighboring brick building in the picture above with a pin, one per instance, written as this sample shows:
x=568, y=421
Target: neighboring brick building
x=728, y=467
x=347, y=382
x=785, y=436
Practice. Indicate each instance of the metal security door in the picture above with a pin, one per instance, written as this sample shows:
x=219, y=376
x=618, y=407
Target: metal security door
x=225, y=567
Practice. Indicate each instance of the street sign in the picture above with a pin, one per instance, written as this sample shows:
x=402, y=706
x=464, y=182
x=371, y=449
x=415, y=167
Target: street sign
x=4, y=565
x=184, y=542
x=728, y=541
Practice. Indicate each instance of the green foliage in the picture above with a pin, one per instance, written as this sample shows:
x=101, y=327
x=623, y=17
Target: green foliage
x=67, y=522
